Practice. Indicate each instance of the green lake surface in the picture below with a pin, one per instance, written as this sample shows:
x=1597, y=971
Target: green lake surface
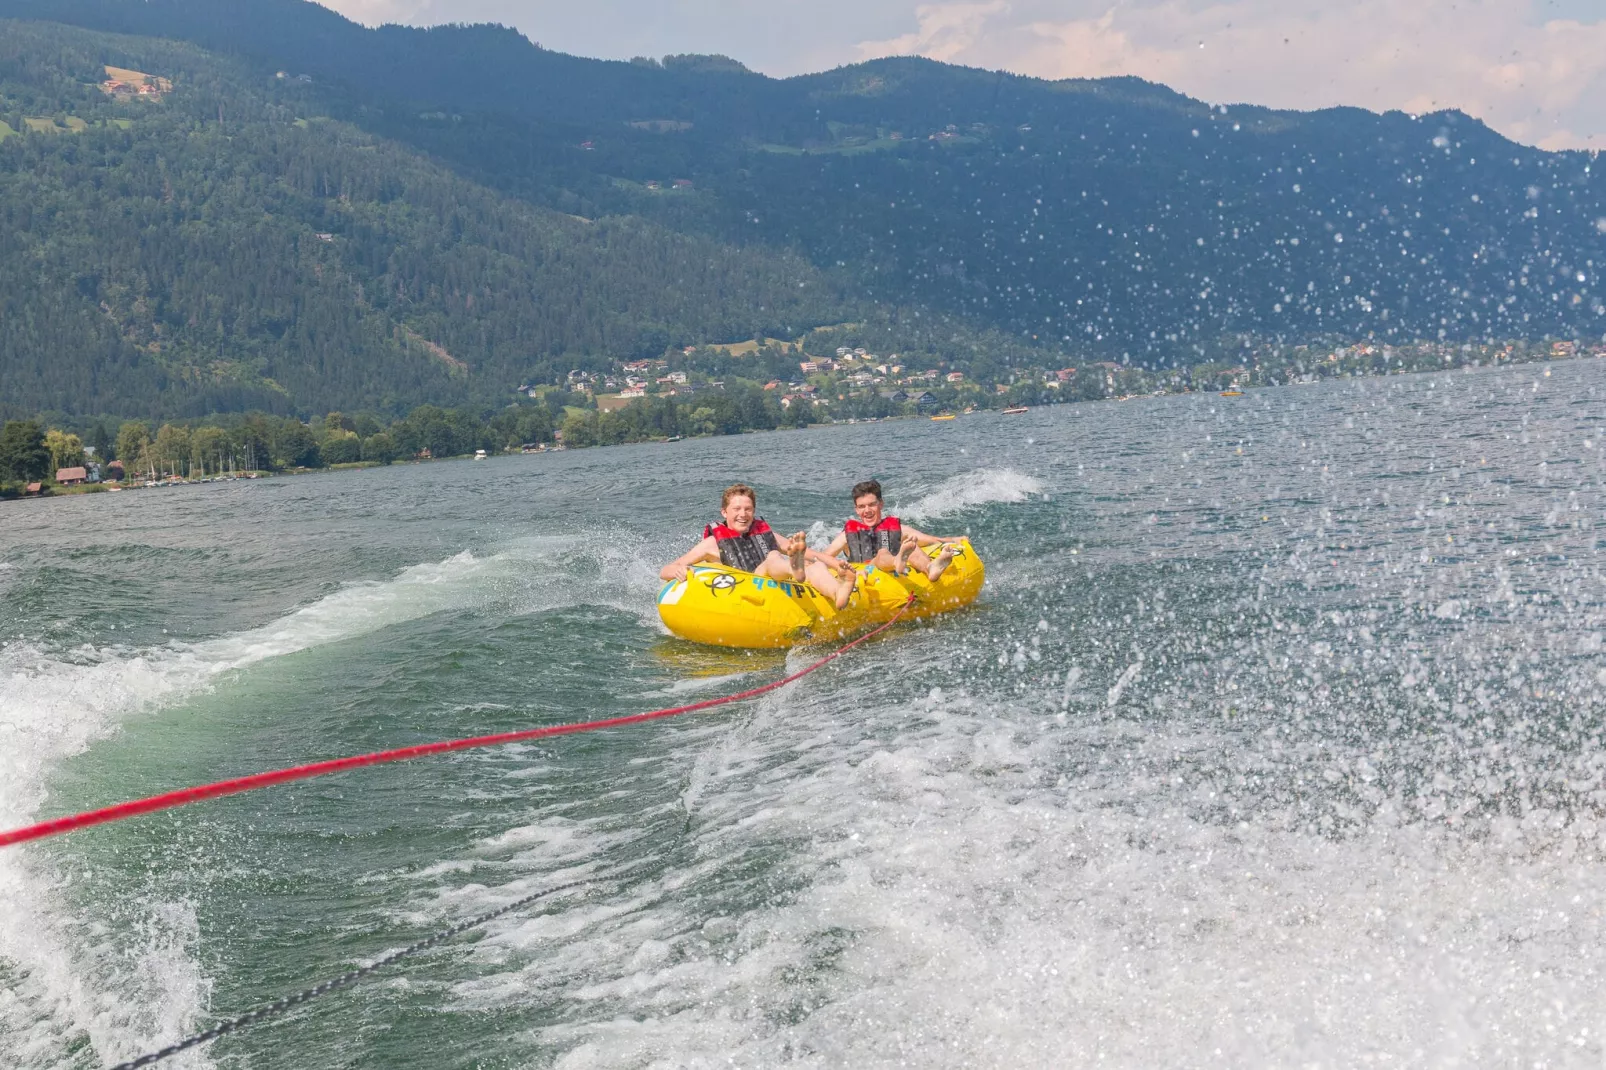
x=1274, y=740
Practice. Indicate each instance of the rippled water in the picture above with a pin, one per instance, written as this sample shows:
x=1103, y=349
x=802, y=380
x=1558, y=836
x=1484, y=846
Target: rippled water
x=1274, y=740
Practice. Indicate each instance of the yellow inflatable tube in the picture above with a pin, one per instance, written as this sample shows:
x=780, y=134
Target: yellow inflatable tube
x=727, y=607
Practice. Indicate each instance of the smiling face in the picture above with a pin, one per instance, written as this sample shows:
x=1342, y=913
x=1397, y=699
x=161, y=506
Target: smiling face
x=868, y=506
x=738, y=512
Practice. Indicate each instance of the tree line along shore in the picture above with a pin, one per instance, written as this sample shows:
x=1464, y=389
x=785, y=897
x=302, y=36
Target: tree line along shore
x=54, y=453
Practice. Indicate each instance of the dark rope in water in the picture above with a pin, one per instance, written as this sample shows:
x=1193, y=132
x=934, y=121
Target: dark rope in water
x=307, y=995
x=260, y=780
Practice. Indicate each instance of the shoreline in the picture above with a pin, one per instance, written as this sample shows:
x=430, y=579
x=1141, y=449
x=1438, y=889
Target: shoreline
x=59, y=491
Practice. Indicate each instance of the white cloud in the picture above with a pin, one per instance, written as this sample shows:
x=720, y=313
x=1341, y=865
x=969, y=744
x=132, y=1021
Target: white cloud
x=945, y=31
x=1537, y=80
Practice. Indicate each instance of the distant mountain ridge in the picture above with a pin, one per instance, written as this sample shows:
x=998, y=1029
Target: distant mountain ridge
x=1088, y=219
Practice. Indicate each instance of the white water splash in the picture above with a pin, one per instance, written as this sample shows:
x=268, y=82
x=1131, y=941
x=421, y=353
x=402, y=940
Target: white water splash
x=51, y=710
x=963, y=910
x=1113, y=697
x=981, y=487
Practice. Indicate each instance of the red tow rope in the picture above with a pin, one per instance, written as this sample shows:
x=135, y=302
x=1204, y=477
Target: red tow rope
x=184, y=796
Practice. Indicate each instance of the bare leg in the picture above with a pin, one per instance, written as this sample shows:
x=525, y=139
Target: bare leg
x=829, y=584
x=931, y=567
x=935, y=568
x=777, y=566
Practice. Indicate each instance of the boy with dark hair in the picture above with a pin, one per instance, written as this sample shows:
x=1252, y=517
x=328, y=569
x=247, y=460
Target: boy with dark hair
x=744, y=541
x=886, y=541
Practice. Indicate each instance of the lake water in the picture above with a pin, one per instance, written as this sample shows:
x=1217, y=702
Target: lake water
x=1275, y=739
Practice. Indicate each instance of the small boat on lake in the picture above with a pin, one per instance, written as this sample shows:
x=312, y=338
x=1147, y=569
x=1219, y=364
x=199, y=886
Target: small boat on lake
x=1015, y=410
x=1232, y=392
x=943, y=416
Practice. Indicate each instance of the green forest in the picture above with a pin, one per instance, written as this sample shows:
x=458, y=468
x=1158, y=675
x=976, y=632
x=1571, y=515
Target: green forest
x=298, y=215
x=163, y=262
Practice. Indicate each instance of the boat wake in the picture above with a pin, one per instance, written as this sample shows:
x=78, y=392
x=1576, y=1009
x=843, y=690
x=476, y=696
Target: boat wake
x=66, y=987
x=984, y=486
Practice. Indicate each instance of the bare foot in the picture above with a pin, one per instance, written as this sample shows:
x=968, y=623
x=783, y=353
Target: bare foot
x=845, y=589
x=941, y=562
x=796, y=550
x=905, y=551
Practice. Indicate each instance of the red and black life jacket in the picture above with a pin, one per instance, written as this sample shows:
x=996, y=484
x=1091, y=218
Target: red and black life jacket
x=864, y=541
x=745, y=551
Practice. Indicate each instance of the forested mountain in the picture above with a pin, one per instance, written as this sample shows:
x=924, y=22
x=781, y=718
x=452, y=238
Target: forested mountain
x=1087, y=220
x=156, y=259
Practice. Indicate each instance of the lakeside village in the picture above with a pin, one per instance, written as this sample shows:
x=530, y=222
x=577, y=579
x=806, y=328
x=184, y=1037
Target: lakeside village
x=698, y=390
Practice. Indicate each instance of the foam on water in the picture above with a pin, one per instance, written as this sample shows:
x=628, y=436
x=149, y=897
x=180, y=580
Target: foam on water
x=820, y=534
x=966, y=897
x=983, y=486
x=54, y=706
x=694, y=685
x=51, y=708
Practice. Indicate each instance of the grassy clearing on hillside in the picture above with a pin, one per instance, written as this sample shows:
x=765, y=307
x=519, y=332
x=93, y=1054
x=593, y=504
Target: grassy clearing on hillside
x=48, y=125
x=742, y=349
x=454, y=366
x=6, y=131
x=851, y=147
x=134, y=79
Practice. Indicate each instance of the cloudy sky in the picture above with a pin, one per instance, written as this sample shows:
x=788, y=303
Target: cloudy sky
x=1533, y=69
